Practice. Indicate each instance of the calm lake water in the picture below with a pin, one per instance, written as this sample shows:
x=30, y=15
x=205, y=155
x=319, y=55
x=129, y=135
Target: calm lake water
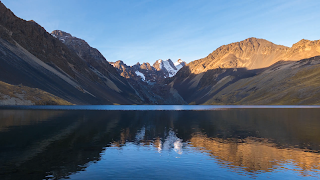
x=160, y=142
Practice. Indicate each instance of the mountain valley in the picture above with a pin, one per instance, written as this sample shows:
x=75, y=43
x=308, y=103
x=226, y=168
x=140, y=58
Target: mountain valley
x=41, y=68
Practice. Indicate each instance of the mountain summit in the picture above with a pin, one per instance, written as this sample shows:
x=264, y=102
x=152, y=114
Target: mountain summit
x=168, y=67
x=86, y=52
x=150, y=81
x=254, y=53
x=233, y=74
x=32, y=58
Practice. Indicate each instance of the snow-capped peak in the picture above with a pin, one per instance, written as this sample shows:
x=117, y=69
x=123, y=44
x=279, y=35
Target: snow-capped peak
x=170, y=67
x=179, y=64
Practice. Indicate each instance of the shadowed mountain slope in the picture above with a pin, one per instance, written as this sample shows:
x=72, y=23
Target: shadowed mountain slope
x=285, y=82
x=293, y=83
x=33, y=57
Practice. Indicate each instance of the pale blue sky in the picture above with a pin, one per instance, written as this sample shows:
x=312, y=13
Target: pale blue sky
x=147, y=30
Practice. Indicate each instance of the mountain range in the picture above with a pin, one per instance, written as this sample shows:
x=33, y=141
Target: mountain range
x=150, y=81
x=159, y=71
x=41, y=68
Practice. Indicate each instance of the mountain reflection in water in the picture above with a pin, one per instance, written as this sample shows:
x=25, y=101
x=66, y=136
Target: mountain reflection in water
x=44, y=144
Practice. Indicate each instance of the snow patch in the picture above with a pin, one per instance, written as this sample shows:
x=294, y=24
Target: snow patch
x=138, y=73
x=170, y=67
x=172, y=70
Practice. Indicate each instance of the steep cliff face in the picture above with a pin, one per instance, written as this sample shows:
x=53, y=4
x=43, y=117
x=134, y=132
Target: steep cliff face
x=33, y=57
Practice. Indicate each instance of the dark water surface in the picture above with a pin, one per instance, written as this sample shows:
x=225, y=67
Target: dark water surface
x=210, y=143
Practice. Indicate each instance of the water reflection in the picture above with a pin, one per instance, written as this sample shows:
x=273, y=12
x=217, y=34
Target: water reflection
x=256, y=154
x=41, y=144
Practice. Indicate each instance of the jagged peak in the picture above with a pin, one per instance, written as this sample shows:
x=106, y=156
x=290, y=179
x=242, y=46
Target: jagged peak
x=179, y=61
x=302, y=42
x=159, y=61
x=254, y=40
x=145, y=63
x=61, y=33
x=120, y=62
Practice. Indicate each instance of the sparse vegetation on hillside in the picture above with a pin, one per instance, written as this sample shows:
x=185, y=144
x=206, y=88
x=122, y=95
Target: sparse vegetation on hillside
x=23, y=95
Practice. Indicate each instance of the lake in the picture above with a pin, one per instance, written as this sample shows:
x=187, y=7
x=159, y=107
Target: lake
x=159, y=142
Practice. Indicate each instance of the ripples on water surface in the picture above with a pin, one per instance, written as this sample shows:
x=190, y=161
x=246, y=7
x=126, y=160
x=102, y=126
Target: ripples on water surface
x=236, y=143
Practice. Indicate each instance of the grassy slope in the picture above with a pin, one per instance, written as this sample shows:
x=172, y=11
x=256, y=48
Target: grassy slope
x=23, y=95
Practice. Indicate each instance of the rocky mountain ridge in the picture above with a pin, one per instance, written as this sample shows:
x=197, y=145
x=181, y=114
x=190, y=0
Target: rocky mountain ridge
x=95, y=60
x=169, y=68
x=217, y=78
x=150, y=81
x=254, y=53
x=144, y=79
x=29, y=55
x=159, y=71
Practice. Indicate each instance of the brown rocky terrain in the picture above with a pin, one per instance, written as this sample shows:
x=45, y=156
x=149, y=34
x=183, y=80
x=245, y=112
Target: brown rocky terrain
x=33, y=57
x=253, y=71
x=254, y=53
